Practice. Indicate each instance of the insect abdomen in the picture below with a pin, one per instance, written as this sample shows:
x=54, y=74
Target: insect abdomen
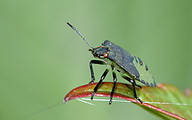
x=145, y=76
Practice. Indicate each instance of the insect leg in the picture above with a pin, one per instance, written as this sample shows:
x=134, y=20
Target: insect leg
x=136, y=84
x=133, y=84
x=115, y=80
x=91, y=68
x=102, y=78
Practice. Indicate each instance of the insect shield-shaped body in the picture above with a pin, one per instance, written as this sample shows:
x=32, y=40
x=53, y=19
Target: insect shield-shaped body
x=130, y=67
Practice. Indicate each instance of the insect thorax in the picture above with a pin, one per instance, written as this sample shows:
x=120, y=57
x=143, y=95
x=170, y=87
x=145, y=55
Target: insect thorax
x=128, y=65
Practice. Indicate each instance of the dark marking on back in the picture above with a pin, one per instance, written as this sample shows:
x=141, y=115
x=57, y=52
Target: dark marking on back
x=146, y=67
x=147, y=84
x=152, y=85
x=135, y=59
x=140, y=61
x=143, y=81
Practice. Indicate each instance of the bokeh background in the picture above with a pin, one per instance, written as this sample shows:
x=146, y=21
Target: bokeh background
x=42, y=58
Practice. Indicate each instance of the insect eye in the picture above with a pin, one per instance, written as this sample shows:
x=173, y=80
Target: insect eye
x=100, y=46
x=105, y=55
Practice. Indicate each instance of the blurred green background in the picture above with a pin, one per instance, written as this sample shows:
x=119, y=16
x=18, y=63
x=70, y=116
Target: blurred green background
x=42, y=58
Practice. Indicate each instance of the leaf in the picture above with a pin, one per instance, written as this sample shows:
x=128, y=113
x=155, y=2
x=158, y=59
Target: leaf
x=166, y=100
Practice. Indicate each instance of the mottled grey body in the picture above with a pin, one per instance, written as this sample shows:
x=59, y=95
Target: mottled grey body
x=127, y=64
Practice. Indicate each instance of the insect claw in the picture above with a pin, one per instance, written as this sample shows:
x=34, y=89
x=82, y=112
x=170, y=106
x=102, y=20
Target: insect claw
x=92, y=95
x=110, y=101
x=139, y=100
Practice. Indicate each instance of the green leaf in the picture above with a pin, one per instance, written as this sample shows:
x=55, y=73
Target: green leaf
x=166, y=100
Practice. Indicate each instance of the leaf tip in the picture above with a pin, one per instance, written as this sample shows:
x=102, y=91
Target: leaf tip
x=66, y=99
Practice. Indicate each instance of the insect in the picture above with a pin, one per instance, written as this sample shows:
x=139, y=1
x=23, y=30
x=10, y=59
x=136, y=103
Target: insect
x=130, y=67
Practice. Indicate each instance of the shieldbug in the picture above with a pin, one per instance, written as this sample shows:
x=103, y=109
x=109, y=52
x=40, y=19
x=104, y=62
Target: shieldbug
x=130, y=67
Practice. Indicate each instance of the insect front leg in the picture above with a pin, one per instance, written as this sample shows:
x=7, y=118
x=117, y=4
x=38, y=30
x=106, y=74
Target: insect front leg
x=91, y=68
x=102, y=78
x=114, y=84
x=133, y=84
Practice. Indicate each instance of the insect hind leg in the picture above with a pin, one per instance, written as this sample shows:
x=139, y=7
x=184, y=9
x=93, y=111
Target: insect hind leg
x=136, y=84
x=133, y=84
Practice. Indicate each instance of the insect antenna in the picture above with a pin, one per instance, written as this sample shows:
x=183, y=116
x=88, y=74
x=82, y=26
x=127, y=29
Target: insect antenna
x=80, y=34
